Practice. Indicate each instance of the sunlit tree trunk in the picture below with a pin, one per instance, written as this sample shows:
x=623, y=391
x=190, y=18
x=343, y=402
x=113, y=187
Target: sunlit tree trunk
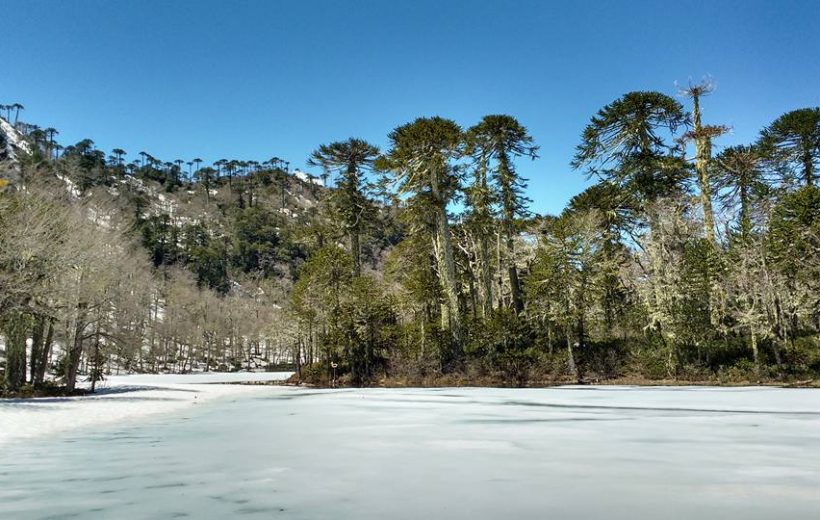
x=703, y=154
x=445, y=261
x=573, y=368
x=75, y=350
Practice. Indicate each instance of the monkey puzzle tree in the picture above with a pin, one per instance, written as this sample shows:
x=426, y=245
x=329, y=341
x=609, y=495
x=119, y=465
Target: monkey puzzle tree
x=206, y=176
x=702, y=137
x=351, y=159
x=480, y=224
x=625, y=143
x=420, y=158
x=794, y=139
x=494, y=143
x=738, y=174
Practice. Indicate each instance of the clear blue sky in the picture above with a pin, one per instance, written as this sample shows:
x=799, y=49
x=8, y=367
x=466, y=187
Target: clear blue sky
x=254, y=79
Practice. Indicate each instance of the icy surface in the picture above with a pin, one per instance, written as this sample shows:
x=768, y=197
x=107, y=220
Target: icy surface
x=120, y=399
x=569, y=453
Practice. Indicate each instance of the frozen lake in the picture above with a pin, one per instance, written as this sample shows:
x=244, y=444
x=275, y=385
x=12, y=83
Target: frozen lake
x=565, y=453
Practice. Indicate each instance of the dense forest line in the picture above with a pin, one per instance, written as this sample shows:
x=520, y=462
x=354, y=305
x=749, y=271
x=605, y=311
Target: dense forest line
x=421, y=263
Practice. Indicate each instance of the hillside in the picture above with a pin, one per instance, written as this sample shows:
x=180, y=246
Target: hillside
x=169, y=208
x=216, y=250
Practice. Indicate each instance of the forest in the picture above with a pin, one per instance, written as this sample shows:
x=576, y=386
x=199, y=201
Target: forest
x=420, y=262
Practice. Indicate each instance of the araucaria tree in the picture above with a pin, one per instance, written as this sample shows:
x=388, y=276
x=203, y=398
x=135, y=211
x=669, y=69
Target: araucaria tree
x=702, y=135
x=793, y=141
x=421, y=159
x=494, y=143
x=628, y=144
x=350, y=159
x=738, y=174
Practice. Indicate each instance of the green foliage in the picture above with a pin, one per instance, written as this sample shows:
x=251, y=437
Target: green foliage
x=160, y=237
x=626, y=144
x=794, y=232
x=738, y=175
x=256, y=241
x=349, y=202
x=206, y=257
x=353, y=312
x=793, y=141
x=504, y=342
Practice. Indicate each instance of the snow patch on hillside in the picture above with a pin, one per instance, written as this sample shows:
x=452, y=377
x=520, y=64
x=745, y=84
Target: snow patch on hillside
x=70, y=185
x=14, y=140
x=306, y=177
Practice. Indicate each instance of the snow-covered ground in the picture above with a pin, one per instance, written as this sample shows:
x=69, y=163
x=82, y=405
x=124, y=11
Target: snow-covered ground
x=121, y=399
x=14, y=140
x=566, y=453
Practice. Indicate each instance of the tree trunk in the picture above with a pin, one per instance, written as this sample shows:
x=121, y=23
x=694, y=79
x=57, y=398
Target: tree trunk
x=515, y=285
x=808, y=168
x=486, y=276
x=355, y=252
x=74, y=355
x=573, y=368
x=549, y=337
x=37, y=337
x=95, y=362
x=45, y=353
x=447, y=271
x=443, y=248
x=485, y=219
x=745, y=220
x=508, y=198
x=755, y=353
x=15, y=329
x=703, y=152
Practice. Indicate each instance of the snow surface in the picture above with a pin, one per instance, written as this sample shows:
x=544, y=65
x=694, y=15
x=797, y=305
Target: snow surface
x=121, y=398
x=305, y=177
x=566, y=453
x=14, y=139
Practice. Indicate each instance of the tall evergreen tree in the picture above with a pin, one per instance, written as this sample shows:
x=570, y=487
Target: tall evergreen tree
x=738, y=175
x=420, y=157
x=479, y=221
x=497, y=140
x=793, y=139
x=351, y=159
x=702, y=135
x=627, y=144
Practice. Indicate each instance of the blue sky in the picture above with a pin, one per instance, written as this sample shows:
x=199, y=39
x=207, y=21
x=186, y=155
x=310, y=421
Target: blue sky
x=255, y=79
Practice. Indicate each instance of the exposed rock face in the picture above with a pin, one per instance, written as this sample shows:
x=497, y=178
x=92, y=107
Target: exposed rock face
x=12, y=146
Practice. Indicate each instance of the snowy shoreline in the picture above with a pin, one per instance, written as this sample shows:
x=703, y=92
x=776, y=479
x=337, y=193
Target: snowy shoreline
x=123, y=398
